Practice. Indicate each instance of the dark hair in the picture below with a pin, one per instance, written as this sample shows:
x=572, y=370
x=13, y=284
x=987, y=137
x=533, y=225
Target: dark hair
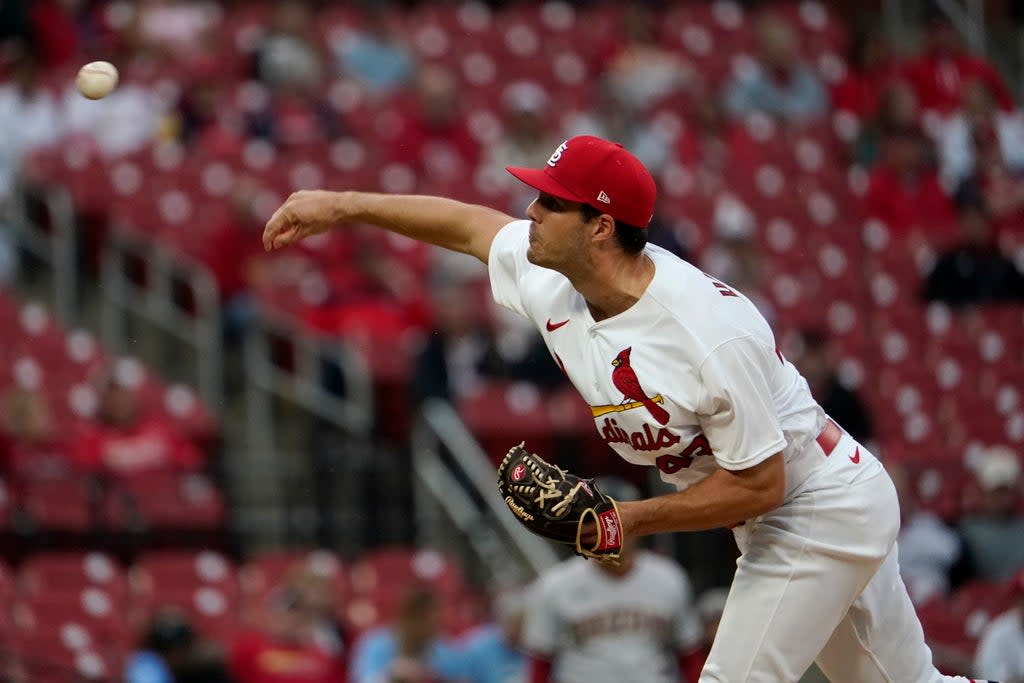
x=631, y=238
x=168, y=630
x=814, y=339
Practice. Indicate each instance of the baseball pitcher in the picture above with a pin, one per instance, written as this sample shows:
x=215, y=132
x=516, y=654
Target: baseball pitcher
x=683, y=374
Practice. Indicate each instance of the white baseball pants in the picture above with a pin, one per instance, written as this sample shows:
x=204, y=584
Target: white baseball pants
x=818, y=581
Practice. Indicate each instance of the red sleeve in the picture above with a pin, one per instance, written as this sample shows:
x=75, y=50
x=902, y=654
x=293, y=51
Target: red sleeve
x=987, y=73
x=539, y=670
x=241, y=656
x=691, y=664
x=87, y=454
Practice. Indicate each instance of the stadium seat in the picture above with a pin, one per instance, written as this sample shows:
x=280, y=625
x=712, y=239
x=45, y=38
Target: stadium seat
x=69, y=573
x=261, y=574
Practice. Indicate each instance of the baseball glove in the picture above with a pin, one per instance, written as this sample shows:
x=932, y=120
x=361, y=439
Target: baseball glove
x=560, y=506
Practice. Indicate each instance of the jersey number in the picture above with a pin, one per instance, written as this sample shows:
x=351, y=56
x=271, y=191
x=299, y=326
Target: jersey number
x=670, y=464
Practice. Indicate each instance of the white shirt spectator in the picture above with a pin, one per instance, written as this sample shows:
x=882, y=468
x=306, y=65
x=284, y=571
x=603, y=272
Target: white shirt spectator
x=36, y=118
x=1000, y=655
x=927, y=551
x=956, y=149
x=121, y=123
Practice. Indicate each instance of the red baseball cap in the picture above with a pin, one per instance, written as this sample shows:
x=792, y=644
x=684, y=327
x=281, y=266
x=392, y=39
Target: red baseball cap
x=589, y=170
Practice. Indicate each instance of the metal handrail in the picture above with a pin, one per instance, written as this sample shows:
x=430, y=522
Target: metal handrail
x=155, y=304
x=57, y=249
x=439, y=425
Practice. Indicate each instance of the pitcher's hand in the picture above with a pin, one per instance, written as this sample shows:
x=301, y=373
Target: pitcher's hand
x=305, y=213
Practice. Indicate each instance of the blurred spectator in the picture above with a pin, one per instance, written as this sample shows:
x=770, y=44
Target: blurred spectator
x=928, y=549
x=945, y=66
x=170, y=652
x=779, y=84
x=434, y=139
x=710, y=606
x=377, y=55
x=33, y=448
x=234, y=252
x=15, y=26
x=288, y=62
x=123, y=442
x=1000, y=654
x=904, y=191
x=598, y=622
x=412, y=650
x=979, y=133
x=712, y=145
x=287, y=57
x=166, y=646
x=56, y=38
x=613, y=118
x=460, y=352
x=317, y=593
x=179, y=30
x=492, y=651
x=31, y=110
x=125, y=121
x=293, y=115
x=204, y=118
x=817, y=364
x=527, y=139
x=734, y=257
x=897, y=110
x=994, y=532
x=974, y=271
x=870, y=71
x=662, y=232
x=285, y=648
x=639, y=71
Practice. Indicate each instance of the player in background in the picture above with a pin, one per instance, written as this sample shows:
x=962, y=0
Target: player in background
x=682, y=373
x=590, y=622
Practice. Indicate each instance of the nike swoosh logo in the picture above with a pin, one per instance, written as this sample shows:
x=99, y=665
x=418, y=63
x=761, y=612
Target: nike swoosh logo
x=554, y=326
x=855, y=458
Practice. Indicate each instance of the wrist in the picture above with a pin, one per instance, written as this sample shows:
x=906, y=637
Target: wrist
x=342, y=206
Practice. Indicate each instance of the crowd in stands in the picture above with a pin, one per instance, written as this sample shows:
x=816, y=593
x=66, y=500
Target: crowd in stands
x=871, y=203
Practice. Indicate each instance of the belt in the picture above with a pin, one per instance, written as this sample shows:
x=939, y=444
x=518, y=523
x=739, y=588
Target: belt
x=829, y=437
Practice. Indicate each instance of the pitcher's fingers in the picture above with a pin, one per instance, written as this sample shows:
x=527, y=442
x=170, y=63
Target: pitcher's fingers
x=279, y=221
x=284, y=237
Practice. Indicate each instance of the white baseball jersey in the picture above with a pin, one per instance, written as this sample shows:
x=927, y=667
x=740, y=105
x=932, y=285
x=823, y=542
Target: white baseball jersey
x=688, y=379
x=596, y=627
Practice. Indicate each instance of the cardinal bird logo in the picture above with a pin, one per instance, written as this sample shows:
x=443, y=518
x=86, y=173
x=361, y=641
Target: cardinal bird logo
x=625, y=380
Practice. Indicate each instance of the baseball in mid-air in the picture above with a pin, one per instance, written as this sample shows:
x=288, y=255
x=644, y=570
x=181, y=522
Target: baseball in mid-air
x=96, y=80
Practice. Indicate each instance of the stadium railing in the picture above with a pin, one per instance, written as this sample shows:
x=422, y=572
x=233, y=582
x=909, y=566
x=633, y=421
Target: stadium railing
x=461, y=488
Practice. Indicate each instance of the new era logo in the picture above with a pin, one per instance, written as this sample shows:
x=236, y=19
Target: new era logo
x=603, y=198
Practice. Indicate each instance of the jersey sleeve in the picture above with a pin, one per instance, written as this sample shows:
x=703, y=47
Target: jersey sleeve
x=541, y=622
x=507, y=264
x=736, y=410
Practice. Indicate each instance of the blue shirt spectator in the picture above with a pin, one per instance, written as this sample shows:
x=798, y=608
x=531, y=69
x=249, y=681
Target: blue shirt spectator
x=376, y=56
x=778, y=84
x=147, y=667
x=411, y=650
x=377, y=650
x=490, y=659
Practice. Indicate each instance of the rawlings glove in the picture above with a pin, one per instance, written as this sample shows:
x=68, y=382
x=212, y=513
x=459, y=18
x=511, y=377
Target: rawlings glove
x=559, y=506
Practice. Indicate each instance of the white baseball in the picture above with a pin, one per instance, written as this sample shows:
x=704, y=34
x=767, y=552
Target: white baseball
x=96, y=80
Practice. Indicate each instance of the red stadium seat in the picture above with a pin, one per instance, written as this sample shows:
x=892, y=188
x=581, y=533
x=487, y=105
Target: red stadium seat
x=159, y=572
x=499, y=413
x=61, y=573
x=261, y=574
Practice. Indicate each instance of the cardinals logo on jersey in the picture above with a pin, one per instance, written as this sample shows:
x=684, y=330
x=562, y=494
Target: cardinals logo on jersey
x=625, y=380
